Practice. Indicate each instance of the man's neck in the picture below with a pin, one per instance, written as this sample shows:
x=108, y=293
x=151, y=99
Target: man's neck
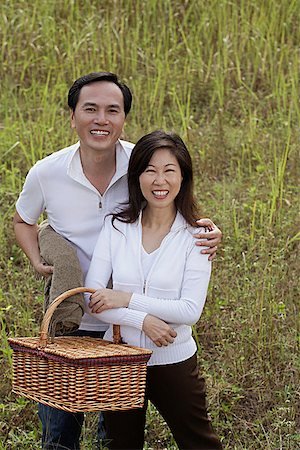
x=99, y=168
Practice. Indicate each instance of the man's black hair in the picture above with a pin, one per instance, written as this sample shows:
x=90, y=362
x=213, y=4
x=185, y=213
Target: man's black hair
x=75, y=89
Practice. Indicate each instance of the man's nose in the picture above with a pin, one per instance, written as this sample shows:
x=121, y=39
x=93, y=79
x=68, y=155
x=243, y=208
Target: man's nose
x=101, y=117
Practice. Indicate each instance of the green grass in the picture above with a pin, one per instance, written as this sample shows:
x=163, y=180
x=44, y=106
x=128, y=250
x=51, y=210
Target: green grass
x=225, y=76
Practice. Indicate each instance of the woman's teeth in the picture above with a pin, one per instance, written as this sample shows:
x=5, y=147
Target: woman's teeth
x=160, y=193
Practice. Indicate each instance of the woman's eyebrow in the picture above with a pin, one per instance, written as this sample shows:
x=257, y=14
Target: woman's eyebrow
x=168, y=164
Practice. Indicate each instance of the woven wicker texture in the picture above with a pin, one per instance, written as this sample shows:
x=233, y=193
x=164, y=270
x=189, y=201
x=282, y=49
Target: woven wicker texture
x=78, y=373
x=80, y=347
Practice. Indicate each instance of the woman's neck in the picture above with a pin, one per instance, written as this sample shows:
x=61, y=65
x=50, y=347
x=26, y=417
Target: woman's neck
x=155, y=218
x=156, y=224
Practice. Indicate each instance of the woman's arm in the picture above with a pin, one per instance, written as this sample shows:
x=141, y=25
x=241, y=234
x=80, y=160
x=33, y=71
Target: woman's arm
x=187, y=309
x=98, y=276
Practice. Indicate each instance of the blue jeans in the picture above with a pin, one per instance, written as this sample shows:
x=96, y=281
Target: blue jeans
x=61, y=430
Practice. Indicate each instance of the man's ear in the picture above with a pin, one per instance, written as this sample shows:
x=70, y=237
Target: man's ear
x=72, y=120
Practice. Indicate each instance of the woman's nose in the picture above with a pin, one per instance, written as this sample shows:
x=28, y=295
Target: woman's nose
x=159, y=178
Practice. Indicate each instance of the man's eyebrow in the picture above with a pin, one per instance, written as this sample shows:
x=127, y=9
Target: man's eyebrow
x=89, y=104
x=95, y=104
x=114, y=106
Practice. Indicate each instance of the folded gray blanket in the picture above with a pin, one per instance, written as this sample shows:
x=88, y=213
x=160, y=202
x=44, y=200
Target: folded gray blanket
x=67, y=274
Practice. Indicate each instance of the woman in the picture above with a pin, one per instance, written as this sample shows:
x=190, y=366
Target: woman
x=160, y=282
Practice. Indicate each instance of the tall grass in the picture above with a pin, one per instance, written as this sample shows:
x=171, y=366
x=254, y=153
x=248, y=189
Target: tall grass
x=225, y=75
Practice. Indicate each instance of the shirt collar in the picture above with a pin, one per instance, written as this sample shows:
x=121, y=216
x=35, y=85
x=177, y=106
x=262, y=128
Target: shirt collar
x=75, y=170
x=122, y=159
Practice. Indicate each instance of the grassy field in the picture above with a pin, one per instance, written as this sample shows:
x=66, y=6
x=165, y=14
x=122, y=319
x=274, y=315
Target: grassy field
x=225, y=75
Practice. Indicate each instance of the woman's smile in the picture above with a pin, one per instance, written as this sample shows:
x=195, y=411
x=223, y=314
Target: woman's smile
x=160, y=194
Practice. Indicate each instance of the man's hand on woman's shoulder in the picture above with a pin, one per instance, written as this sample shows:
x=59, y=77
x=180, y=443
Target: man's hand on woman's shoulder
x=211, y=238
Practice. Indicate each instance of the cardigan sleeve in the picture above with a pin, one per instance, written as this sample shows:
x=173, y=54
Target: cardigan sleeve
x=100, y=269
x=188, y=308
x=98, y=275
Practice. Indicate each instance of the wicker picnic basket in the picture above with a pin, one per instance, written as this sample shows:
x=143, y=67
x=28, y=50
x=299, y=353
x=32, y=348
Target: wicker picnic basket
x=79, y=373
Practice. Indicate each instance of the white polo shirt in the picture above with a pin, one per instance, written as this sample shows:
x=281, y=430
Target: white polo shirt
x=75, y=209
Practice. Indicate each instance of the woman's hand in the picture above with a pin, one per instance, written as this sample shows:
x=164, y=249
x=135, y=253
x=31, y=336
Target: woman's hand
x=212, y=237
x=104, y=299
x=158, y=331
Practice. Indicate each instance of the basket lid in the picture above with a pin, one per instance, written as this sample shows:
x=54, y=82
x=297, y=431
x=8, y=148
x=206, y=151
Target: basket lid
x=82, y=350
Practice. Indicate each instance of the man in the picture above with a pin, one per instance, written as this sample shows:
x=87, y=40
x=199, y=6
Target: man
x=77, y=187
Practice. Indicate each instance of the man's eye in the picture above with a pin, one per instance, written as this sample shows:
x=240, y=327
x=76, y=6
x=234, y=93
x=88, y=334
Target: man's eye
x=89, y=109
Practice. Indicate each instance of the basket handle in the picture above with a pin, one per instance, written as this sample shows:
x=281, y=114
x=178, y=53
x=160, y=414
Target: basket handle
x=50, y=311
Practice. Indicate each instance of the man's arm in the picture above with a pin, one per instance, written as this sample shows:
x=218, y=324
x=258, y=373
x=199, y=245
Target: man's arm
x=213, y=237
x=27, y=238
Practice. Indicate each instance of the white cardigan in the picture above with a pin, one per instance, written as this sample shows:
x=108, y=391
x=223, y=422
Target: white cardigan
x=174, y=291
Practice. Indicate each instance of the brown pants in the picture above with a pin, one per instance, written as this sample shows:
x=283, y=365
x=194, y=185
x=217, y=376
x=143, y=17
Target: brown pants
x=67, y=274
x=178, y=393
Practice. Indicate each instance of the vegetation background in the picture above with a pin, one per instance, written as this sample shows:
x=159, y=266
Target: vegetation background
x=225, y=75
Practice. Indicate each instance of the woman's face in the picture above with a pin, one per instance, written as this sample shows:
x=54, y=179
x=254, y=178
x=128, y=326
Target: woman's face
x=161, y=180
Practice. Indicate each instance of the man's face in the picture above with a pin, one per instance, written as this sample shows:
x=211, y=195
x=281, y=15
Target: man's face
x=99, y=116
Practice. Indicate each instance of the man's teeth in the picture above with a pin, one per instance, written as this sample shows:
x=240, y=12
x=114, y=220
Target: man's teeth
x=100, y=132
x=160, y=193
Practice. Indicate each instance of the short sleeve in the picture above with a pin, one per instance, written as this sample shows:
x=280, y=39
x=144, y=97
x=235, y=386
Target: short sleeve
x=31, y=203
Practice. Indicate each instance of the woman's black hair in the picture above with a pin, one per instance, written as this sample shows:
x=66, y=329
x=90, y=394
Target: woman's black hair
x=139, y=160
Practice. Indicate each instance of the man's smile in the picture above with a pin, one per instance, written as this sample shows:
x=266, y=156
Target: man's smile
x=100, y=132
